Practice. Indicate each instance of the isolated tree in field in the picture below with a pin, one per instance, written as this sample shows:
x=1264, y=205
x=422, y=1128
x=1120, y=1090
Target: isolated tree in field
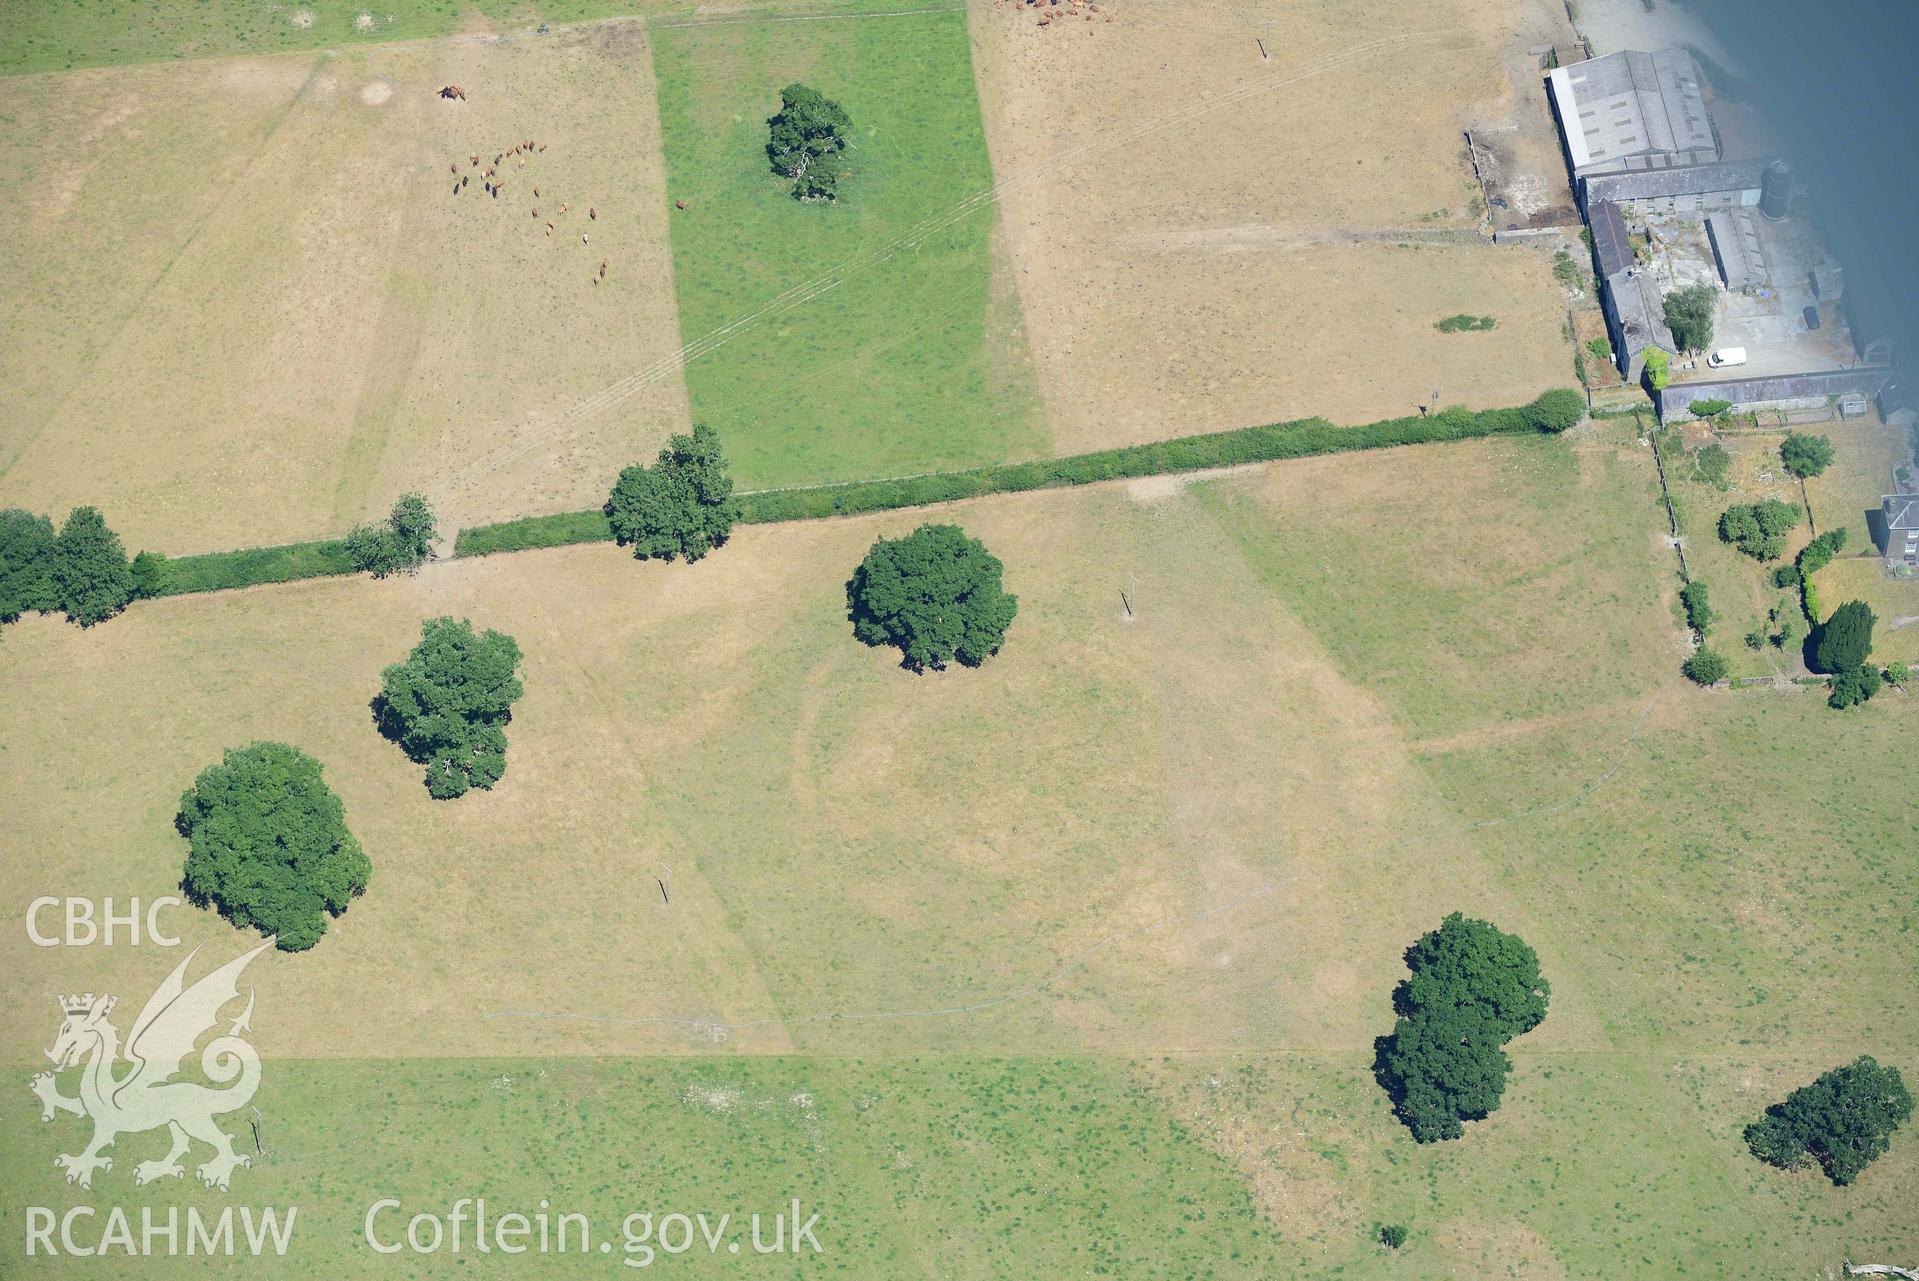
x=91, y=575
x=1473, y=988
x=936, y=594
x=1689, y=316
x=1805, y=455
x=399, y=544
x=268, y=844
x=806, y=142
x=1846, y=638
x=26, y=564
x=683, y=505
x=1705, y=667
x=1844, y=1121
x=448, y=705
x=1759, y=529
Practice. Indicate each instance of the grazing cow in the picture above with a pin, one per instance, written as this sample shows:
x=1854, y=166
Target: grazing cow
x=536, y=191
x=536, y=213
x=474, y=156
x=582, y=237
x=602, y=269
x=564, y=206
x=591, y=214
x=549, y=229
x=679, y=204
x=456, y=168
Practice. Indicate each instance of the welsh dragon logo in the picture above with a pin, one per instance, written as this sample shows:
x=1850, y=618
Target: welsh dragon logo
x=144, y=1096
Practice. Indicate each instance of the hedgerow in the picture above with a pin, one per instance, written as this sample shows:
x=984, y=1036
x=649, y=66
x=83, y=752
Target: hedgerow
x=248, y=567
x=1554, y=411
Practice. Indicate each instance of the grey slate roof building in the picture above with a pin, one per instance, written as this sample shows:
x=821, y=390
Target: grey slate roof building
x=1612, y=242
x=1787, y=391
x=1735, y=182
x=1735, y=246
x=1635, y=312
x=1633, y=110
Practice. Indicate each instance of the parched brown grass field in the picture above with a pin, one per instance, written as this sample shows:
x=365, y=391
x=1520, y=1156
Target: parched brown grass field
x=246, y=306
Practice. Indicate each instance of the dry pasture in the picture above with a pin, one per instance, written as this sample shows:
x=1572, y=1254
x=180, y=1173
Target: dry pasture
x=1205, y=239
x=246, y=306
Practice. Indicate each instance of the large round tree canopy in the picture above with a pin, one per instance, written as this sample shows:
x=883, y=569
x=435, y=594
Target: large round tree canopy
x=936, y=594
x=449, y=703
x=269, y=844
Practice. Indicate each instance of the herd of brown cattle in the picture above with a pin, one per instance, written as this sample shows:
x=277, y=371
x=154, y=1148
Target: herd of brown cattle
x=521, y=150
x=494, y=185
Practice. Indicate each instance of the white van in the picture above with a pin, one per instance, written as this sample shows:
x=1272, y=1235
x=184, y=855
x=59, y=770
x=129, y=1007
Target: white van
x=1727, y=356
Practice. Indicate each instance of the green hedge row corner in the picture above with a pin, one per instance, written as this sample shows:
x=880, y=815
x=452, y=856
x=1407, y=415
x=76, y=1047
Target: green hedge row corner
x=1553, y=411
x=249, y=567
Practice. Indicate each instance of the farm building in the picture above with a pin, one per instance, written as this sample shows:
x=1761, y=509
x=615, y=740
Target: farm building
x=1635, y=314
x=1788, y=393
x=1901, y=512
x=1726, y=184
x=1633, y=111
x=1736, y=249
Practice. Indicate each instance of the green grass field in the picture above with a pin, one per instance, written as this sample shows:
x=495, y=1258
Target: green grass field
x=876, y=336
x=938, y=1167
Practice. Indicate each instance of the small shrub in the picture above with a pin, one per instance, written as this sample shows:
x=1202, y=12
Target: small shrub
x=1706, y=667
x=1568, y=272
x=1897, y=674
x=1710, y=407
x=1785, y=576
x=1392, y=1235
x=149, y=575
x=1599, y=349
x=1712, y=465
x=1699, y=615
x=1464, y=323
x=1658, y=368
